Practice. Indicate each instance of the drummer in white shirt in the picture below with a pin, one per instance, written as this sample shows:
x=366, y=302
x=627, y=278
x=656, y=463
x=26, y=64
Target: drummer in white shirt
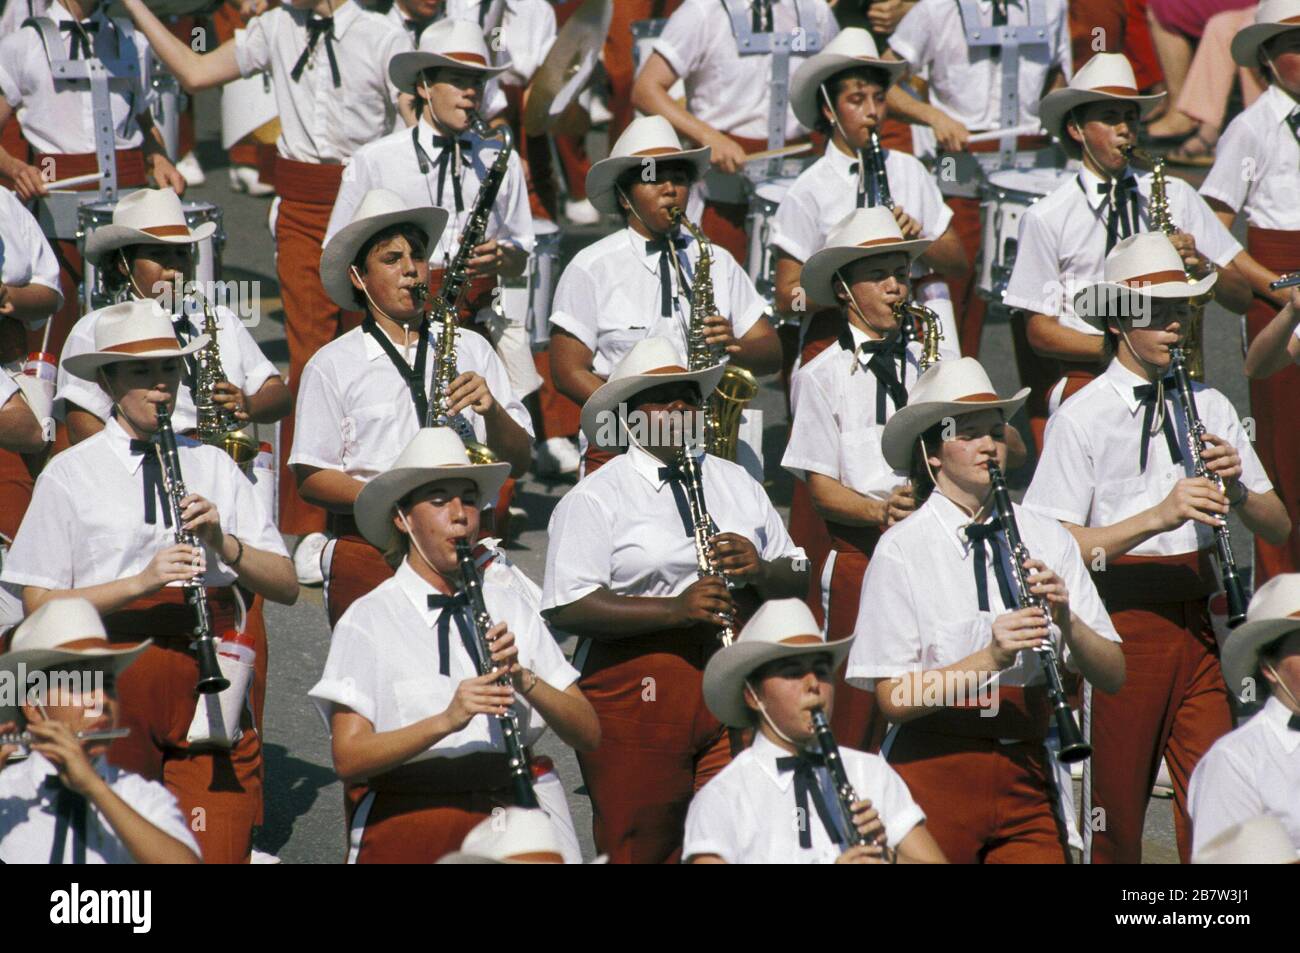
x=1255, y=769
x=637, y=283
x=1064, y=237
x=411, y=719
x=771, y=680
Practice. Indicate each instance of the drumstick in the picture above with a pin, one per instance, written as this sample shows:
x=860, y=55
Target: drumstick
x=1028, y=129
x=74, y=181
x=774, y=153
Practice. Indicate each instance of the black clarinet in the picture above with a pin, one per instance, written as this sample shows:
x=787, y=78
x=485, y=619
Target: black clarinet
x=844, y=792
x=877, y=178
x=211, y=680
x=1233, y=587
x=521, y=772
x=1073, y=747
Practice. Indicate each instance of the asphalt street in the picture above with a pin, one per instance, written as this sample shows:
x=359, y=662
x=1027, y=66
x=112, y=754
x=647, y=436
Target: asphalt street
x=304, y=800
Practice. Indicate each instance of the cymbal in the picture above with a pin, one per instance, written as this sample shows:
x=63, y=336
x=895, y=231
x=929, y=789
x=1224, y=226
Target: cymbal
x=567, y=66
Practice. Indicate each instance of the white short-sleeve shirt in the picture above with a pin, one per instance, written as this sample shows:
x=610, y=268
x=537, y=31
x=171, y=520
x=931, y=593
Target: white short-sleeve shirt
x=86, y=523
x=319, y=122
x=243, y=361
x=355, y=413
x=1089, y=474
x=26, y=253
x=966, y=83
x=609, y=297
x=28, y=818
x=1257, y=164
x=57, y=117
x=912, y=621
x=385, y=663
x=1062, y=243
x=748, y=815
x=1251, y=771
x=392, y=163
x=728, y=91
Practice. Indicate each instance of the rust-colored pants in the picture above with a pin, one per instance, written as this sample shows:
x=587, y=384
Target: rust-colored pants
x=808, y=530
x=659, y=742
x=560, y=416
x=356, y=568
x=968, y=306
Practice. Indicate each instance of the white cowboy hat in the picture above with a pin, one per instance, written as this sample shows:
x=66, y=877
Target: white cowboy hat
x=63, y=631
x=1142, y=265
x=949, y=389
x=145, y=217
x=1274, y=611
x=1257, y=840
x=651, y=362
x=515, y=835
x=862, y=233
x=136, y=330
x=1105, y=77
x=435, y=453
x=650, y=137
x=852, y=48
x=377, y=209
x=778, y=629
x=451, y=44
x=1272, y=17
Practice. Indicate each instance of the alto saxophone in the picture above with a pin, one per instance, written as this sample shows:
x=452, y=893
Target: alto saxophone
x=1162, y=220
x=922, y=325
x=217, y=425
x=722, y=408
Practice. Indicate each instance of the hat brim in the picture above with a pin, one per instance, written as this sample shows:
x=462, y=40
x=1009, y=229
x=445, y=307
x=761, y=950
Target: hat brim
x=724, y=676
x=342, y=248
x=908, y=423
x=1246, y=44
x=602, y=176
x=818, y=274
x=112, y=237
x=809, y=77
x=85, y=365
x=611, y=394
x=1096, y=302
x=1241, y=649
x=405, y=68
x=374, y=504
x=1056, y=105
x=115, y=659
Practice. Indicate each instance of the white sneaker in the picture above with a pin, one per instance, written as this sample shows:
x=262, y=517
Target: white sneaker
x=598, y=110
x=306, y=559
x=190, y=168
x=581, y=213
x=558, y=456
x=243, y=178
x=262, y=857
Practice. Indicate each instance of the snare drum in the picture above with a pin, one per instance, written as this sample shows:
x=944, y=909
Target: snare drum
x=764, y=199
x=526, y=300
x=1006, y=196
x=207, y=258
x=169, y=101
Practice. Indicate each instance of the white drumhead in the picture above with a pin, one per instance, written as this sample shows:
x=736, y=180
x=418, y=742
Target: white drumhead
x=1029, y=181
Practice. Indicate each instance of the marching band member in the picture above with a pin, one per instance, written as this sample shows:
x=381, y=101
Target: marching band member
x=1066, y=236
x=841, y=92
x=328, y=61
x=148, y=253
x=637, y=283
x=1255, y=769
x=718, y=50
x=1257, y=173
x=771, y=680
x=365, y=395
x=1277, y=346
x=946, y=652
x=65, y=803
x=57, y=120
x=944, y=42
x=1117, y=472
x=91, y=532
x=20, y=431
x=622, y=572
x=401, y=697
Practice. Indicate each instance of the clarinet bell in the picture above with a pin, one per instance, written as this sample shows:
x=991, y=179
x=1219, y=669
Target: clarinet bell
x=1073, y=747
x=211, y=681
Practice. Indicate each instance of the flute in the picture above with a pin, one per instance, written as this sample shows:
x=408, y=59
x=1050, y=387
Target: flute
x=25, y=739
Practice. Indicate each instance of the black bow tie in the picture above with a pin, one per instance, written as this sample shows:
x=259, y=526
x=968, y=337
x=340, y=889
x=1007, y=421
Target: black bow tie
x=417, y=28
x=451, y=146
x=1122, y=218
x=154, y=490
x=78, y=42
x=1293, y=723
x=1146, y=393
x=69, y=811
x=1293, y=121
x=316, y=27
x=980, y=535
x=761, y=16
x=453, y=607
x=885, y=359
x=664, y=245
x=674, y=477
x=804, y=766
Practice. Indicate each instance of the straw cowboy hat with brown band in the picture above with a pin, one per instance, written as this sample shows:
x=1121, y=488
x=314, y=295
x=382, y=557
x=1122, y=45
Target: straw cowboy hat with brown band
x=138, y=330
x=1273, y=18
x=862, y=233
x=448, y=44
x=645, y=139
x=1142, y=266
x=1107, y=77
x=146, y=217
x=852, y=48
